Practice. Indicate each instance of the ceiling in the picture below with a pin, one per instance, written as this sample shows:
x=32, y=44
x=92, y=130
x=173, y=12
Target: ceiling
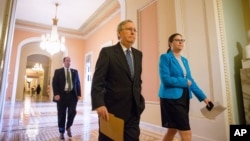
x=78, y=17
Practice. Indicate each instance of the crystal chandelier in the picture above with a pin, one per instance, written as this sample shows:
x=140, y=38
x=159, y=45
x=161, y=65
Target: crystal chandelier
x=38, y=67
x=51, y=42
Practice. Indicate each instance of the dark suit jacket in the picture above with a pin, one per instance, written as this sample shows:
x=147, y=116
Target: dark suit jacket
x=112, y=84
x=59, y=81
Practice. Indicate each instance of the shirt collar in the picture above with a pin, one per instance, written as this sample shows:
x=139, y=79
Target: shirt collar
x=124, y=48
x=66, y=68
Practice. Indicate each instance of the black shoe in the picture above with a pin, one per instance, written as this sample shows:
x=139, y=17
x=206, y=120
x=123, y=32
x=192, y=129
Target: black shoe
x=61, y=136
x=69, y=132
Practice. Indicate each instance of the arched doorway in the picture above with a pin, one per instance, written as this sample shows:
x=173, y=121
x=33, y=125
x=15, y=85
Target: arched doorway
x=36, y=77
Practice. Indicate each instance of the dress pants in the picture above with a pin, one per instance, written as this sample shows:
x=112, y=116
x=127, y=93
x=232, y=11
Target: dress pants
x=66, y=108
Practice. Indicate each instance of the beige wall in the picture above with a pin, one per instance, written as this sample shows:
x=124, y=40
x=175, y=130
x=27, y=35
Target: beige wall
x=103, y=35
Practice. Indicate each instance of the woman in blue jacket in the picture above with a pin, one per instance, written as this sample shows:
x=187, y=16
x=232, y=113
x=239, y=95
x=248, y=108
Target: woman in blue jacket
x=175, y=90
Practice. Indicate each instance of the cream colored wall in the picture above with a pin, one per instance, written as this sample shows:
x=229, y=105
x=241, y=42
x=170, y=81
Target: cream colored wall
x=148, y=44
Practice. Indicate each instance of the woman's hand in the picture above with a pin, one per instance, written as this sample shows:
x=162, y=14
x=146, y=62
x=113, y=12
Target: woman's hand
x=206, y=101
x=209, y=104
x=189, y=83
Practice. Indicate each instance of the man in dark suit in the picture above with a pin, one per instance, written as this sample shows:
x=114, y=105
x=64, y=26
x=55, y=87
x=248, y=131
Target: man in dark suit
x=116, y=88
x=67, y=91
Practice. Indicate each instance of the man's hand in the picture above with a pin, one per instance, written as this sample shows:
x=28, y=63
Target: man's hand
x=57, y=97
x=103, y=112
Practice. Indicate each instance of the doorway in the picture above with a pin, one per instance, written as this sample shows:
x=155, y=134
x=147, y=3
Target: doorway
x=36, y=77
x=88, y=77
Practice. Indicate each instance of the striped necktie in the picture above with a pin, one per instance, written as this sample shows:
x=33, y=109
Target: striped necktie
x=68, y=80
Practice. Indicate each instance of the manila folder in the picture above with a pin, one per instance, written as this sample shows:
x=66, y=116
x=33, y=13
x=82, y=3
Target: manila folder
x=113, y=128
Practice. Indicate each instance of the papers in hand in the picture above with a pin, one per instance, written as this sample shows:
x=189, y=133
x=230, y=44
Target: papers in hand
x=113, y=128
x=214, y=112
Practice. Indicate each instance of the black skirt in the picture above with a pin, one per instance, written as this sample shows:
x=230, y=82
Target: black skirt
x=174, y=112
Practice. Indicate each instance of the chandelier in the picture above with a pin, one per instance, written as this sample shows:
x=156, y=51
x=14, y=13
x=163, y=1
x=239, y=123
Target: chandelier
x=51, y=42
x=38, y=67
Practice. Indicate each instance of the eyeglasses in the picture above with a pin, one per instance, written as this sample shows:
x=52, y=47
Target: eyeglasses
x=179, y=40
x=130, y=29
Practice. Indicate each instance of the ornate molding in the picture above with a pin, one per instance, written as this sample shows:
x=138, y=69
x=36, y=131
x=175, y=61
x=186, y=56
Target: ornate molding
x=222, y=39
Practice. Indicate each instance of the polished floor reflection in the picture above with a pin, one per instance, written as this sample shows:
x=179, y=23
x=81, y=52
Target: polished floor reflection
x=35, y=119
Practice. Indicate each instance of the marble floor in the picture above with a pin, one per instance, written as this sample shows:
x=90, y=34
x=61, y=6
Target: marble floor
x=35, y=119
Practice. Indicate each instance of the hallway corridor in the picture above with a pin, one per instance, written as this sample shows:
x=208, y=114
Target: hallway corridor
x=34, y=119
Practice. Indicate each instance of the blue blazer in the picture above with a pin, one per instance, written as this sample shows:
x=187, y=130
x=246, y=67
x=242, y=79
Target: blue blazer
x=172, y=79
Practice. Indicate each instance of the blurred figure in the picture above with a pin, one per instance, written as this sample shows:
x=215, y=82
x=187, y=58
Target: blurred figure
x=38, y=89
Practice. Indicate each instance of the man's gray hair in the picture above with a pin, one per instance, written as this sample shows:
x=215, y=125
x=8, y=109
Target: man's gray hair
x=120, y=26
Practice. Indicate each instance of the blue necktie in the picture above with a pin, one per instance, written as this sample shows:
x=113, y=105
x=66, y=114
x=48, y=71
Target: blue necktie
x=130, y=63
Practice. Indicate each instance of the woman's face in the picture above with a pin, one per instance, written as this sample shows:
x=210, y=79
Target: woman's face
x=177, y=43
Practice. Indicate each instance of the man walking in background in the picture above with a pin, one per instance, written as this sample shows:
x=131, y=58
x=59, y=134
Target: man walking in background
x=67, y=91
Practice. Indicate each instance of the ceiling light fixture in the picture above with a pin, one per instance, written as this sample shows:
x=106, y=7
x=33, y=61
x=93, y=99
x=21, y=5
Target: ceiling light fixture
x=51, y=42
x=38, y=67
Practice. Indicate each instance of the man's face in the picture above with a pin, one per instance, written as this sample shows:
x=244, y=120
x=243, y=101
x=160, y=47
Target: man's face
x=67, y=62
x=127, y=34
